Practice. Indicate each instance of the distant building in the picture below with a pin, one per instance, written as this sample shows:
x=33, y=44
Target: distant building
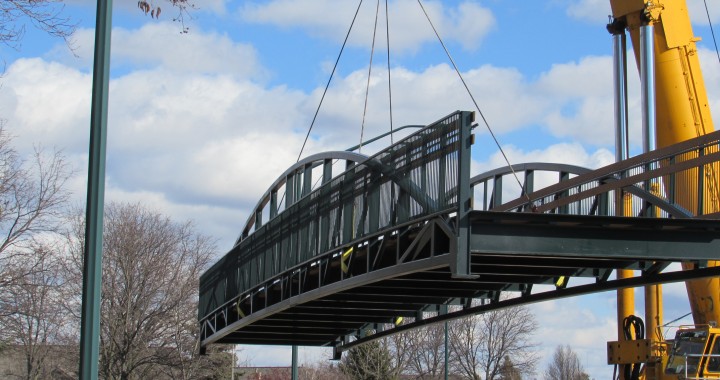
x=262, y=373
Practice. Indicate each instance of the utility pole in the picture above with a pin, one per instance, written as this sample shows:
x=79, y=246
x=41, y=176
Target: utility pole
x=92, y=252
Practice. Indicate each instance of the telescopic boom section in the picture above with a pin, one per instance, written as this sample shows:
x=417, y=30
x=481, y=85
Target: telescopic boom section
x=682, y=112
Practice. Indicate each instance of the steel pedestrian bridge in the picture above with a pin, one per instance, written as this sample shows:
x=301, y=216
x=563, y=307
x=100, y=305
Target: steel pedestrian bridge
x=407, y=237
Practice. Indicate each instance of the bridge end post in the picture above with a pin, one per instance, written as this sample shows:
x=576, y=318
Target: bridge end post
x=461, y=264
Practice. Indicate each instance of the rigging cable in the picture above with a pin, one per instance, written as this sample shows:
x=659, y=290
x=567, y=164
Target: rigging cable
x=329, y=80
x=712, y=30
x=367, y=88
x=387, y=30
x=487, y=125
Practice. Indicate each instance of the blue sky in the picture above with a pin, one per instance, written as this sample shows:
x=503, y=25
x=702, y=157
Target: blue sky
x=201, y=123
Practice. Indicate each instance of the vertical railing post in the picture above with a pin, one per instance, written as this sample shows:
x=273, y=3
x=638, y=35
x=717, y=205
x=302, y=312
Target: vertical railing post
x=92, y=252
x=564, y=176
x=529, y=184
x=325, y=214
x=701, y=185
x=373, y=200
x=496, y=199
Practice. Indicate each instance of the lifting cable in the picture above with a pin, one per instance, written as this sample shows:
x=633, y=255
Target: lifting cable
x=387, y=33
x=487, y=125
x=329, y=80
x=712, y=31
x=367, y=87
x=327, y=86
x=387, y=38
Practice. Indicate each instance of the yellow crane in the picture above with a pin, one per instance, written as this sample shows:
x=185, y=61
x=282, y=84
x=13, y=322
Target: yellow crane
x=676, y=108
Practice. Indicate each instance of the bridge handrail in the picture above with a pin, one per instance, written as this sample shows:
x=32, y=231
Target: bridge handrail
x=694, y=154
x=305, y=163
x=416, y=177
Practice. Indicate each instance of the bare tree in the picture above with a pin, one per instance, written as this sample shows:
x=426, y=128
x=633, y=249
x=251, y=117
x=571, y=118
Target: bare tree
x=565, y=365
x=31, y=201
x=464, y=341
x=480, y=343
x=33, y=317
x=321, y=371
x=151, y=268
x=401, y=351
x=427, y=350
x=46, y=15
x=182, y=7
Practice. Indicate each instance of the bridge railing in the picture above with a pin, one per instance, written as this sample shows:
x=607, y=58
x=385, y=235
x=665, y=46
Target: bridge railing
x=677, y=181
x=414, y=179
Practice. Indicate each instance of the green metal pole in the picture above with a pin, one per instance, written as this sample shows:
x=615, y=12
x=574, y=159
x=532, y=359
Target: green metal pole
x=92, y=253
x=446, y=350
x=294, y=375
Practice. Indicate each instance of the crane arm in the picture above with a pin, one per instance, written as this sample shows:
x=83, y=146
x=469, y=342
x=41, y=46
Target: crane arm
x=682, y=112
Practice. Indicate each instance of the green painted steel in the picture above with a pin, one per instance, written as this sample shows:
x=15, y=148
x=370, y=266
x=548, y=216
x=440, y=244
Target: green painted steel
x=294, y=373
x=92, y=266
x=464, y=194
x=412, y=180
x=394, y=236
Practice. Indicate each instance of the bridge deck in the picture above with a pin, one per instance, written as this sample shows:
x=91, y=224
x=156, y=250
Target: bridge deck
x=395, y=235
x=509, y=252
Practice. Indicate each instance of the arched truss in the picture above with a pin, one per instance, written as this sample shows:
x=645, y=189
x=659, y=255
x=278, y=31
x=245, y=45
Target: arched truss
x=329, y=259
x=302, y=168
x=567, y=177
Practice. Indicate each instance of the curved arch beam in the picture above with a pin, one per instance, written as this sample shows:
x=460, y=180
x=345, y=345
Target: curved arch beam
x=671, y=209
x=404, y=182
x=313, y=160
x=542, y=166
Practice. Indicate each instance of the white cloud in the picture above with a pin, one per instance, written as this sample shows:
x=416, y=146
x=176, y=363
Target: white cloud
x=217, y=139
x=160, y=44
x=597, y=11
x=699, y=14
x=468, y=23
x=585, y=324
x=583, y=92
x=199, y=52
x=46, y=101
x=564, y=153
x=594, y=11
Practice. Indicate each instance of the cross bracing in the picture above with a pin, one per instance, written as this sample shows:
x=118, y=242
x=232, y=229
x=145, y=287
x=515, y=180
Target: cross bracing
x=408, y=233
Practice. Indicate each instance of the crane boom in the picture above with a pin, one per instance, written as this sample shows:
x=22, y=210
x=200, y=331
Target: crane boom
x=682, y=112
x=676, y=108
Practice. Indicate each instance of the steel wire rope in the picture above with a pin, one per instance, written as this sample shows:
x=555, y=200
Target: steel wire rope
x=392, y=132
x=472, y=97
x=387, y=30
x=362, y=125
x=367, y=87
x=712, y=31
x=387, y=34
x=327, y=86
